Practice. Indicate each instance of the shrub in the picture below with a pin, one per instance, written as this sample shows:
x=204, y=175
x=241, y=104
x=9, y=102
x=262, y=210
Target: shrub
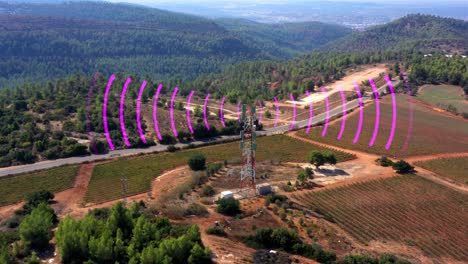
x=172, y=148
x=403, y=167
x=196, y=209
x=272, y=198
x=309, y=173
x=208, y=190
x=213, y=168
x=197, y=162
x=167, y=139
x=384, y=161
x=228, y=206
x=217, y=230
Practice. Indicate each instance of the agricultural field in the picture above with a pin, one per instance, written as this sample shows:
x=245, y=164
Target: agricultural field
x=105, y=183
x=455, y=169
x=432, y=132
x=14, y=188
x=406, y=209
x=444, y=95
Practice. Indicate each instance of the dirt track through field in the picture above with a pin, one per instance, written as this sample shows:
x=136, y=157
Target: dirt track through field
x=370, y=158
x=71, y=200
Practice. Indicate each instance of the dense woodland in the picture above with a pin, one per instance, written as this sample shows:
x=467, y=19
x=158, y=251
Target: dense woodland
x=46, y=119
x=109, y=235
x=45, y=41
x=31, y=113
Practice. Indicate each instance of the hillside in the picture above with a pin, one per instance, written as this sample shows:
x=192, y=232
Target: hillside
x=412, y=32
x=44, y=41
x=402, y=40
x=286, y=40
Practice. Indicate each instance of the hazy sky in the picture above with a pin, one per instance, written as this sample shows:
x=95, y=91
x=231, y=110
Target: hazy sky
x=412, y=2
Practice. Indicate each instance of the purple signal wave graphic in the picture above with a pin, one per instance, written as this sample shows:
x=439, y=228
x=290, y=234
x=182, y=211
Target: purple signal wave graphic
x=394, y=113
x=377, y=112
x=238, y=112
x=221, y=113
x=293, y=121
x=138, y=112
x=260, y=114
x=311, y=114
x=121, y=112
x=343, y=121
x=155, y=111
x=327, y=115
x=277, y=111
x=187, y=111
x=205, y=118
x=410, y=125
x=88, y=110
x=171, y=112
x=104, y=112
x=361, y=113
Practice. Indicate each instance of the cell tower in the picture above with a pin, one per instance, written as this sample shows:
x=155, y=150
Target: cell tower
x=248, y=147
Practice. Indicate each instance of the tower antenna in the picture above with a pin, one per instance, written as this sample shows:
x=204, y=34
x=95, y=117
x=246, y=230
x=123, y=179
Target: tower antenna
x=248, y=147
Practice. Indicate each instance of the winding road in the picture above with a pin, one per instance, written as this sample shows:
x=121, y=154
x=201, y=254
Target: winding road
x=161, y=148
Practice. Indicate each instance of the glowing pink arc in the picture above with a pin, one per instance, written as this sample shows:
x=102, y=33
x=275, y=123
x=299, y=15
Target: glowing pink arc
x=327, y=115
x=260, y=114
x=155, y=112
x=171, y=112
x=138, y=113
x=205, y=118
x=221, y=112
x=104, y=112
x=293, y=121
x=361, y=113
x=377, y=112
x=277, y=111
x=343, y=121
x=189, y=123
x=121, y=115
x=394, y=114
x=311, y=113
x=238, y=112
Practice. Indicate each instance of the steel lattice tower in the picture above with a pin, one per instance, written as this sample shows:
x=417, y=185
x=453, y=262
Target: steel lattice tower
x=248, y=147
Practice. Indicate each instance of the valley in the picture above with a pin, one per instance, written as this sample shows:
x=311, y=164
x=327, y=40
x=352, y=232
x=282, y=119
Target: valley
x=358, y=155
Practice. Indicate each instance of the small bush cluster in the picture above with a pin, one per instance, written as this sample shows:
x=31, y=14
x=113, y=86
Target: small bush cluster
x=217, y=230
x=228, y=206
x=289, y=241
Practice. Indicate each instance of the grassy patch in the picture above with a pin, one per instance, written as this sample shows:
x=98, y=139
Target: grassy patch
x=443, y=96
x=105, y=184
x=15, y=188
x=455, y=169
x=432, y=132
x=406, y=209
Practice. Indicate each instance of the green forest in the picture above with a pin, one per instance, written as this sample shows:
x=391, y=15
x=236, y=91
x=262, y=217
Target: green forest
x=51, y=51
x=122, y=234
x=45, y=41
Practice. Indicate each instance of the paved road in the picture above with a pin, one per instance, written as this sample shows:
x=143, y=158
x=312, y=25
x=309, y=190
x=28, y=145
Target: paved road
x=160, y=148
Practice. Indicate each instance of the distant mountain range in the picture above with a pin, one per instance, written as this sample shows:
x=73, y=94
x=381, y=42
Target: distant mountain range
x=413, y=32
x=43, y=41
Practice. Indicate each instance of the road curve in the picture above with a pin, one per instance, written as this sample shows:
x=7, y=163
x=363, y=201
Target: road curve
x=160, y=148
